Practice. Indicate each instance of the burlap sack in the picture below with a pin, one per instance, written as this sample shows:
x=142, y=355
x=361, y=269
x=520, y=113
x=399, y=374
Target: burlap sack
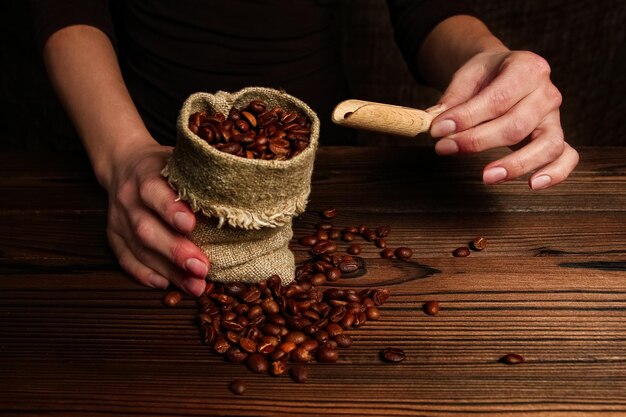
x=244, y=207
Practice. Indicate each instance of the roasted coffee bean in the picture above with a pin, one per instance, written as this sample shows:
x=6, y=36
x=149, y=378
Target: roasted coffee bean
x=296, y=337
x=383, y=231
x=257, y=106
x=309, y=344
x=369, y=235
x=329, y=213
x=238, y=386
x=403, y=253
x=234, y=354
x=372, y=313
x=308, y=240
x=301, y=355
x=278, y=367
x=380, y=243
x=321, y=235
x=249, y=117
x=209, y=335
x=431, y=308
x=255, y=311
x=172, y=298
x=512, y=359
x=278, y=355
x=270, y=306
x=257, y=363
x=287, y=346
x=326, y=355
x=334, y=329
x=321, y=336
x=334, y=274
x=232, y=337
x=267, y=344
x=299, y=374
x=270, y=329
x=347, y=237
x=343, y=340
x=380, y=295
x=386, y=253
x=318, y=279
x=221, y=346
x=334, y=234
x=248, y=345
x=392, y=355
x=324, y=226
x=349, y=266
x=461, y=252
x=479, y=243
x=354, y=249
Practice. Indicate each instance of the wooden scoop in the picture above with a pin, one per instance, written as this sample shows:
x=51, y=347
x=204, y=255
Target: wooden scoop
x=384, y=118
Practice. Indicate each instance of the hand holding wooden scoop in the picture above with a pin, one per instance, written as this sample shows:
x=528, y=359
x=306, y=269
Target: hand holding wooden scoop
x=384, y=118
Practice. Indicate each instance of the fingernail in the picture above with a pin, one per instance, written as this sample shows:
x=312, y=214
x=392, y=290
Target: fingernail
x=446, y=147
x=157, y=281
x=442, y=128
x=194, y=287
x=540, y=182
x=183, y=222
x=196, y=267
x=494, y=175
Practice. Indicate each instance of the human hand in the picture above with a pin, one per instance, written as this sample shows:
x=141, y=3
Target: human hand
x=506, y=99
x=146, y=225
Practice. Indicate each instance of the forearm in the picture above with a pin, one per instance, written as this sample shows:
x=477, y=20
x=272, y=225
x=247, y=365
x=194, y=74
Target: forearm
x=450, y=45
x=84, y=70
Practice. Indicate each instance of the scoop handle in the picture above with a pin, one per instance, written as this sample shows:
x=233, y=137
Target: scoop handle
x=384, y=118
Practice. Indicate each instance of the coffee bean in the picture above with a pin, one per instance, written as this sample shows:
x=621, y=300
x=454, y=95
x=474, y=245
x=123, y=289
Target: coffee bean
x=172, y=298
x=386, y=253
x=310, y=345
x=354, y=249
x=431, y=308
x=348, y=266
x=347, y=237
x=383, y=231
x=379, y=296
x=372, y=313
x=403, y=253
x=329, y=213
x=299, y=374
x=238, y=386
x=334, y=329
x=333, y=274
x=479, y=243
x=326, y=355
x=248, y=345
x=279, y=367
x=380, y=243
x=257, y=363
x=343, y=340
x=296, y=337
x=308, y=240
x=512, y=359
x=324, y=226
x=301, y=355
x=461, y=252
x=392, y=355
x=318, y=279
x=234, y=354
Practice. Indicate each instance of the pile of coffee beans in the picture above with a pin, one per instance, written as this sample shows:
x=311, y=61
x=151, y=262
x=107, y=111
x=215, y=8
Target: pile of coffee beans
x=266, y=325
x=255, y=131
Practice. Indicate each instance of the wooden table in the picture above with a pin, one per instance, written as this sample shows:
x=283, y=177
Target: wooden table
x=79, y=337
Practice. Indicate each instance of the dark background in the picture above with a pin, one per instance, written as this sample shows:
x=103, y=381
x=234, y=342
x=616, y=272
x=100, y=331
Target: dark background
x=584, y=41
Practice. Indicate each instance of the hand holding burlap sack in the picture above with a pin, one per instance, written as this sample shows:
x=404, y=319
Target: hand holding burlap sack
x=246, y=206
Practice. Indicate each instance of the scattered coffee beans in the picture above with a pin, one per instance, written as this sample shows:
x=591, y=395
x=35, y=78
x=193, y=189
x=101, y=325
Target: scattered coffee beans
x=254, y=132
x=431, y=308
x=461, y=252
x=238, y=386
x=392, y=355
x=479, y=243
x=512, y=359
x=171, y=298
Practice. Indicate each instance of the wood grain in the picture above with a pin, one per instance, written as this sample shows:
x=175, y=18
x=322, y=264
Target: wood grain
x=79, y=337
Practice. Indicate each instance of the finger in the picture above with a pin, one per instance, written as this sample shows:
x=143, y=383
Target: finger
x=194, y=286
x=145, y=275
x=508, y=130
x=497, y=97
x=555, y=172
x=546, y=145
x=156, y=235
x=156, y=193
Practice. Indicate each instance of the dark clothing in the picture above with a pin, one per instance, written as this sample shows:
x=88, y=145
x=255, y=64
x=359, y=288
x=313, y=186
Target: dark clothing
x=170, y=49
